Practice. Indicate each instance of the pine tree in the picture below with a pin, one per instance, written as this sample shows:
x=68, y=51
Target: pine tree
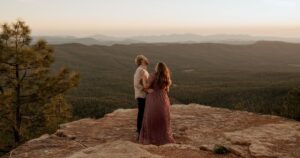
x=27, y=82
x=56, y=112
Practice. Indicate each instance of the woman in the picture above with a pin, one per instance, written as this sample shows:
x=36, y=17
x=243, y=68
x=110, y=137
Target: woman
x=156, y=127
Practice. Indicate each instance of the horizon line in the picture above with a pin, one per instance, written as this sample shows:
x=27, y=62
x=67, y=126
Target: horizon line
x=163, y=34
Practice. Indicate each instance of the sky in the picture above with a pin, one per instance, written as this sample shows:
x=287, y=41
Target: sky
x=155, y=17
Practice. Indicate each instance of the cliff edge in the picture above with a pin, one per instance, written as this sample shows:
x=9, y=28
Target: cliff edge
x=197, y=130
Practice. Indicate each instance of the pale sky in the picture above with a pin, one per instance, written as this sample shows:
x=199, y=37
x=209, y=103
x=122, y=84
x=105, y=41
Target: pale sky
x=154, y=17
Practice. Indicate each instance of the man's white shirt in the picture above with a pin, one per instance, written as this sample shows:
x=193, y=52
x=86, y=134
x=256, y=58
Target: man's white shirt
x=137, y=82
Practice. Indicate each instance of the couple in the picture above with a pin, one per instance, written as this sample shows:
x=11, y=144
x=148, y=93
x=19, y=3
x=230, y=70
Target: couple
x=151, y=93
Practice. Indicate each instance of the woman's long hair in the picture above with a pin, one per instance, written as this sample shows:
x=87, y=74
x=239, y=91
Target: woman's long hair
x=163, y=75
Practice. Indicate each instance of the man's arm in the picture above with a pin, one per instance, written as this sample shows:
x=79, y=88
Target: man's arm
x=145, y=82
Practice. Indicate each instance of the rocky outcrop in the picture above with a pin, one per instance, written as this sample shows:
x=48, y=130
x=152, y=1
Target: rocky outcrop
x=197, y=130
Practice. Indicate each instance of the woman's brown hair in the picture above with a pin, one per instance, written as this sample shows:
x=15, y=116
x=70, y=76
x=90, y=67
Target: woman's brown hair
x=163, y=75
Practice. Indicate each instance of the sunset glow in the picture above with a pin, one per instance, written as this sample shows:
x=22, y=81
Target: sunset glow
x=141, y=17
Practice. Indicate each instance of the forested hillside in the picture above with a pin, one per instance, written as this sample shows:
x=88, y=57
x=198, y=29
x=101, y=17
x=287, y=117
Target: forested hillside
x=261, y=77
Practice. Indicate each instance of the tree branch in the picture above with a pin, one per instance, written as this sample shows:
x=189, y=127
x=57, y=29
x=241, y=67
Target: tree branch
x=12, y=83
x=3, y=116
x=24, y=75
x=8, y=63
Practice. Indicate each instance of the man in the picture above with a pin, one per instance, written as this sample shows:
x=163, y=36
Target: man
x=141, y=74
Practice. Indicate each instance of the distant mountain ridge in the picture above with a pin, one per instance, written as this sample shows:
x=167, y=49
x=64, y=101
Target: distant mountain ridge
x=168, y=38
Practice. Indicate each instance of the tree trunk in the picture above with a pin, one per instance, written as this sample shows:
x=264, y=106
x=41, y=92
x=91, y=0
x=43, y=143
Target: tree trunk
x=17, y=136
x=17, y=132
x=17, y=127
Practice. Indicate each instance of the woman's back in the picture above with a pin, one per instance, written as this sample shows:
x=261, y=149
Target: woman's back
x=156, y=124
x=155, y=85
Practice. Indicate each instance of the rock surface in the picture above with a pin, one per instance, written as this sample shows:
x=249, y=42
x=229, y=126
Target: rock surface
x=197, y=130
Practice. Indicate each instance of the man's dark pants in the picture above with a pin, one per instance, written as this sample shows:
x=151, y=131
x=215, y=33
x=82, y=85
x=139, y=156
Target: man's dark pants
x=141, y=107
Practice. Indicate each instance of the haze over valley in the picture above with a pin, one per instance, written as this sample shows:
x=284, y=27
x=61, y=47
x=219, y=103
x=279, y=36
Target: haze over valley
x=168, y=38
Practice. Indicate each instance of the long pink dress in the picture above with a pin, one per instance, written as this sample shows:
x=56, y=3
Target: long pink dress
x=156, y=127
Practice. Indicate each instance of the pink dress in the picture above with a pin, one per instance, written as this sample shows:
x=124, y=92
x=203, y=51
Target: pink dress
x=156, y=127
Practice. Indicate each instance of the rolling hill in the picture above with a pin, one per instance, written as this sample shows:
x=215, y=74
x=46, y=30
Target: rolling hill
x=255, y=77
